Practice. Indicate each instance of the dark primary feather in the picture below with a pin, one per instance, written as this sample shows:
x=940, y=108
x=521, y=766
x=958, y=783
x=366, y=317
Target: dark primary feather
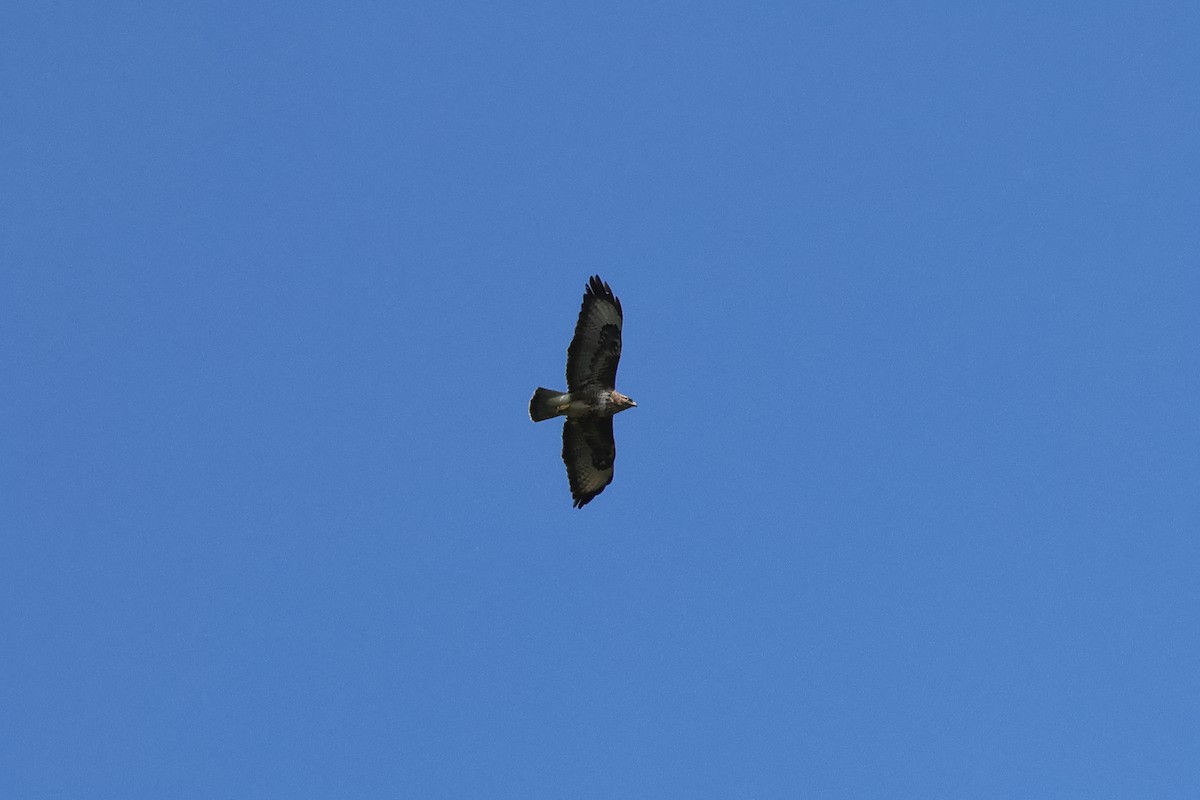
x=589, y=451
x=596, y=347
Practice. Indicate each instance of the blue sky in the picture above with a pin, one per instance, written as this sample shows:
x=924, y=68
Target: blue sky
x=909, y=505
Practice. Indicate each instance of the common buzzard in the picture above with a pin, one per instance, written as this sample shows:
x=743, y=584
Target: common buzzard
x=591, y=398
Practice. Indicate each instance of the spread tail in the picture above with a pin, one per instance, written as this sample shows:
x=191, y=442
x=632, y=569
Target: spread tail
x=543, y=404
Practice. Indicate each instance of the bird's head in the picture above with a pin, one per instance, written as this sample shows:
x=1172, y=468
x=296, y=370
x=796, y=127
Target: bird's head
x=621, y=402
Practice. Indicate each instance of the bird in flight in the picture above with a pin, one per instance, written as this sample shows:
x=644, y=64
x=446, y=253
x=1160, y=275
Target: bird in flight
x=591, y=398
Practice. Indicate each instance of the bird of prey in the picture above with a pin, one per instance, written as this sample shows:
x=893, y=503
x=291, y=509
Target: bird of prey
x=591, y=398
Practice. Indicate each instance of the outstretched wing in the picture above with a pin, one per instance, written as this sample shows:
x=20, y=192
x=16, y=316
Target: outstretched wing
x=596, y=347
x=588, y=451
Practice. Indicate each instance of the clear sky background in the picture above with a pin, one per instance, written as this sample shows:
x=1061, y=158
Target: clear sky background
x=909, y=506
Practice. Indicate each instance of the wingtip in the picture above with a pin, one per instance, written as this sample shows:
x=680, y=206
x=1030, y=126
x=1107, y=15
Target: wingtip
x=579, y=499
x=600, y=290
